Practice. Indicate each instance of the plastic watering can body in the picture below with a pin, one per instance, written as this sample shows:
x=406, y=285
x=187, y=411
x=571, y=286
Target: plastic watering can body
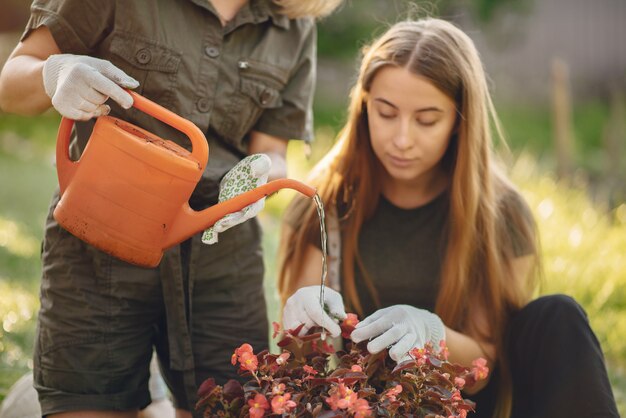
x=128, y=193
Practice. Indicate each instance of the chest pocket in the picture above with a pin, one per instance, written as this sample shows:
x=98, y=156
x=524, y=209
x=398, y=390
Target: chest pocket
x=260, y=86
x=155, y=66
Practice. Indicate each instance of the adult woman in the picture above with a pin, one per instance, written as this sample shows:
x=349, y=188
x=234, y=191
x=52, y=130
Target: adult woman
x=244, y=72
x=435, y=243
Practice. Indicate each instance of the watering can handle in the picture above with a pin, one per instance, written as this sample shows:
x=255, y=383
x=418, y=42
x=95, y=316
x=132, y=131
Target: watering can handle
x=65, y=166
x=200, y=148
x=199, y=145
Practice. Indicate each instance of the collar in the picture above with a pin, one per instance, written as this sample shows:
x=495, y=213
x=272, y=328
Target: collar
x=264, y=9
x=255, y=11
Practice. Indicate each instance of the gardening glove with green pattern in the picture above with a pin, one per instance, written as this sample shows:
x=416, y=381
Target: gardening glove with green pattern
x=401, y=328
x=248, y=174
x=79, y=85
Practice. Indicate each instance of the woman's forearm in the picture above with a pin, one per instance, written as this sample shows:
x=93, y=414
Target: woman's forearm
x=21, y=86
x=465, y=349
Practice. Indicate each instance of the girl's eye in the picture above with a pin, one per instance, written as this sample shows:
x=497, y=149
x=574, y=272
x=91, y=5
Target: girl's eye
x=426, y=122
x=385, y=115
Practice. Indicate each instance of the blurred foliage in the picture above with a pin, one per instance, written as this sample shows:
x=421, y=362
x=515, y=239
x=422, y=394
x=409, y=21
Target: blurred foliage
x=343, y=33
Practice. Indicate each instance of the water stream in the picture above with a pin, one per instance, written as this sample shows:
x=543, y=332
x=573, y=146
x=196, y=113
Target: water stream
x=320, y=213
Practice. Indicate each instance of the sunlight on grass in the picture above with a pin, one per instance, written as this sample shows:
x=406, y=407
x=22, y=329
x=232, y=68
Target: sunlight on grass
x=17, y=314
x=584, y=255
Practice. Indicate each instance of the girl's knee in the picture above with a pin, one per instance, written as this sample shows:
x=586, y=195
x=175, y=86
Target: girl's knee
x=556, y=308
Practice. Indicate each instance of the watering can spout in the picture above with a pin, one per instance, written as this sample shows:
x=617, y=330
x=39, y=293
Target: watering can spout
x=190, y=222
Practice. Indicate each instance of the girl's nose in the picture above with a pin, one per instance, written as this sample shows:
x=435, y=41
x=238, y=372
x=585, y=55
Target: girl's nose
x=403, y=139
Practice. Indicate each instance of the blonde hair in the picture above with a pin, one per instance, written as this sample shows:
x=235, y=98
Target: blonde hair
x=477, y=267
x=294, y=9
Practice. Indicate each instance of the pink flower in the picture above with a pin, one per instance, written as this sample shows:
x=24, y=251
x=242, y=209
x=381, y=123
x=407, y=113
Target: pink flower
x=443, y=350
x=420, y=355
x=348, y=324
x=258, y=406
x=360, y=408
x=393, y=392
x=480, y=369
x=310, y=370
x=333, y=401
x=347, y=395
x=341, y=397
x=276, y=327
x=281, y=404
x=244, y=348
x=278, y=389
x=459, y=382
x=248, y=361
x=356, y=368
x=282, y=359
x=456, y=396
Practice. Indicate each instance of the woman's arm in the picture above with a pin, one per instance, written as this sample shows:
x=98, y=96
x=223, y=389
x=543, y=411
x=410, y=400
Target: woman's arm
x=464, y=348
x=21, y=79
x=275, y=148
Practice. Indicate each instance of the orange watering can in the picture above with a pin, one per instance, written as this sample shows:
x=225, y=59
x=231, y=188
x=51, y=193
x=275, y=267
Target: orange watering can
x=128, y=193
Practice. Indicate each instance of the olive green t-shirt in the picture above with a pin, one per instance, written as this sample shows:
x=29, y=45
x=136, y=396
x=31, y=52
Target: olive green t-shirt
x=402, y=250
x=256, y=73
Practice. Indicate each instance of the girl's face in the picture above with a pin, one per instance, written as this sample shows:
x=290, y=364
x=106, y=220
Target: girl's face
x=410, y=124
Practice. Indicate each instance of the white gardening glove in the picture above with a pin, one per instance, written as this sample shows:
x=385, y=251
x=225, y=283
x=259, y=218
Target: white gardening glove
x=249, y=173
x=79, y=85
x=402, y=327
x=303, y=307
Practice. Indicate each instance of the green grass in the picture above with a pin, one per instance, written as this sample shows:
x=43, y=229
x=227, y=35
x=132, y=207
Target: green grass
x=583, y=243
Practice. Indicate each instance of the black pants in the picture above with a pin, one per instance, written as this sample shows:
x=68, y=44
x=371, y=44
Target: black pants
x=557, y=365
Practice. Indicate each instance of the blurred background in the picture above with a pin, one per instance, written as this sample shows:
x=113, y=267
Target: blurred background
x=558, y=75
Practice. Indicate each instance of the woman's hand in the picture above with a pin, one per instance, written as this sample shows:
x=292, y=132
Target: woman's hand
x=401, y=327
x=79, y=85
x=303, y=307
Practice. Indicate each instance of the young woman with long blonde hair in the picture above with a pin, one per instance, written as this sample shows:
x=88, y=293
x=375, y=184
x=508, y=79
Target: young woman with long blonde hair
x=429, y=240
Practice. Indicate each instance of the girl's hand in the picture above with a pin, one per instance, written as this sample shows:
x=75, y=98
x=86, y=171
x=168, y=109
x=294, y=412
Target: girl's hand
x=303, y=307
x=401, y=327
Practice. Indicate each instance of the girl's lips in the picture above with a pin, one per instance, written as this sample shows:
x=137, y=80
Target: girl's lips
x=400, y=162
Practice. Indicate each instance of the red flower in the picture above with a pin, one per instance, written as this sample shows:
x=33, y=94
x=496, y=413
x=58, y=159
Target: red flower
x=361, y=409
x=258, y=406
x=480, y=369
x=244, y=348
x=420, y=355
x=342, y=397
x=443, y=350
x=249, y=361
x=310, y=370
x=393, y=392
x=281, y=404
x=278, y=389
x=348, y=324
